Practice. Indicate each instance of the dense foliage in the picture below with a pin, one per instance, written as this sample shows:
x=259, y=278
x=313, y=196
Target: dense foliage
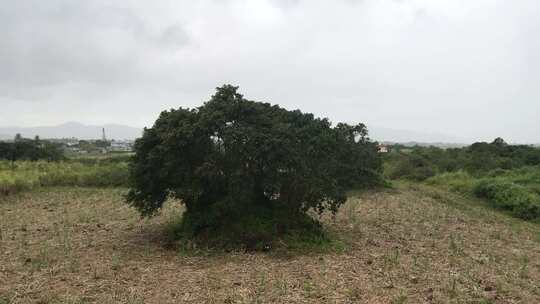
x=506, y=176
x=248, y=168
x=516, y=191
x=26, y=149
x=419, y=163
x=510, y=196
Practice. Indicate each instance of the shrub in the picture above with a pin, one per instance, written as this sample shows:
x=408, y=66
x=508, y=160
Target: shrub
x=497, y=172
x=509, y=196
x=246, y=169
x=459, y=181
x=413, y=167
x=10, y=184
x=477, y=159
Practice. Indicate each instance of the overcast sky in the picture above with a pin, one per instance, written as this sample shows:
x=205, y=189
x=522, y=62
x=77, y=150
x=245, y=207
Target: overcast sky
x=469, y=69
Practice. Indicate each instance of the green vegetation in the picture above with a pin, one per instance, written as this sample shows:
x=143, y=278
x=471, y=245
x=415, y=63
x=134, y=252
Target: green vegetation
x=25, y=175
x=248, y=171
x=27, y=149
x=506, y=176
x=509, y=196
x=516, y=191
x=420, y=163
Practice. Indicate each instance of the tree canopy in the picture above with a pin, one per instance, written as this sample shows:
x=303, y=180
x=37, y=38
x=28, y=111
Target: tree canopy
x=232, y=159
x=27, y=149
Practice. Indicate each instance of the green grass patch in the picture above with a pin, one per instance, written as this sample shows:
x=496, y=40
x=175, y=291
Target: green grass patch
x=510, y=196
x=516, y=191
x=26, y=175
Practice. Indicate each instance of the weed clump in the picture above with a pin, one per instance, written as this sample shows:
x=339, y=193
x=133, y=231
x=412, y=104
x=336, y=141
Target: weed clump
x=515, y=198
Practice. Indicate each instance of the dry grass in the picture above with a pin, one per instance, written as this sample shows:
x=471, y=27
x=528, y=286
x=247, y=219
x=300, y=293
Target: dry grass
x=69, y=245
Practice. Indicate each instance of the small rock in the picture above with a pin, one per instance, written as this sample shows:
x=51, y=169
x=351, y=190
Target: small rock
x=414, y=280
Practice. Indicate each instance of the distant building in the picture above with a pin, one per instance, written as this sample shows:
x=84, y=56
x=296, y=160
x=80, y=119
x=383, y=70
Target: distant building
x=382, y=148
x=121, y=146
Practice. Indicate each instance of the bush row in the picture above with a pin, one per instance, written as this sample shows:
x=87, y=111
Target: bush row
x=516, y=191
x=420, y=163
x=515, y=198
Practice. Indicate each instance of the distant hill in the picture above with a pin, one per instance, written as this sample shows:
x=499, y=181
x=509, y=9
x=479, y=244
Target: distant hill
x=381, y=134
x=73, y=129
x=116, y=131
x=427, y=144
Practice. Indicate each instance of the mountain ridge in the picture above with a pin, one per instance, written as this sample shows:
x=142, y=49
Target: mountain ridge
x=383, y=134
x=118, y=131
x=73, y=129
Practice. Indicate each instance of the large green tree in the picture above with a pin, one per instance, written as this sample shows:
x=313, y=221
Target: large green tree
x=234, y=161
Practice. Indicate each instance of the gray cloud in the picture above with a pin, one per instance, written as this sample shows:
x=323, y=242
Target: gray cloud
x=469, y=69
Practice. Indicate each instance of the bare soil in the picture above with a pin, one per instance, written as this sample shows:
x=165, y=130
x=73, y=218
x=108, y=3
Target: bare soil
x=410, y=245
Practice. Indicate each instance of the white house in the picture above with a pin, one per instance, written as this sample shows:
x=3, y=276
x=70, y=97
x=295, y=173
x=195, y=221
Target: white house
x=382, y=148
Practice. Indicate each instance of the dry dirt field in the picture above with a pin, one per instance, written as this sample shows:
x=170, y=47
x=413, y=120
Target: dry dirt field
x=409, y=245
